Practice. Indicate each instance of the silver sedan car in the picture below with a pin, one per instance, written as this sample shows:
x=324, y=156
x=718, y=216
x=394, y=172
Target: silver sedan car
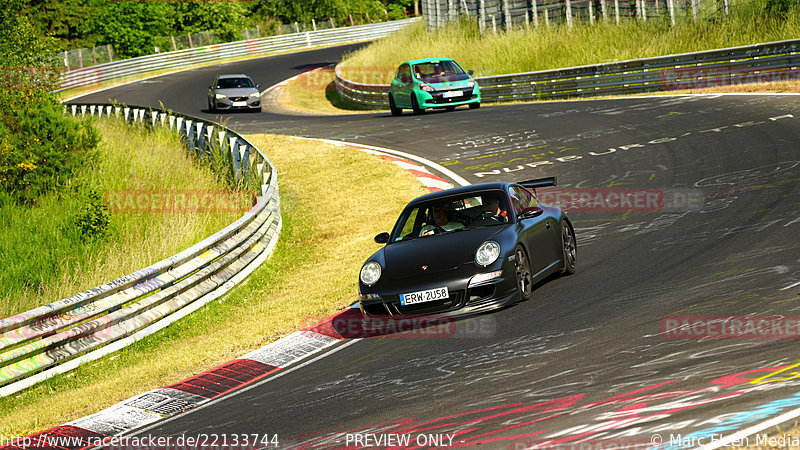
x=234, y=92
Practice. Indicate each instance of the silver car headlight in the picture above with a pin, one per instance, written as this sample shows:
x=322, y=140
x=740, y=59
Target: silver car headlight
x=255, y=94
x=487, y=253
x=219, y=96
x=370, y=273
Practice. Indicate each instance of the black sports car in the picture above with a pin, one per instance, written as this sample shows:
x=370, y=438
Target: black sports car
x=466, y=250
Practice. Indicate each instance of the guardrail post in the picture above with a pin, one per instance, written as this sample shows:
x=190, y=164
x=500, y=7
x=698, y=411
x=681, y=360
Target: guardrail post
x=507, y=23
x=244, y=158
x=604, y=9
x=198, y=138
x=591, y=13
x=725, y=4
x=694, y=10
x=535, y=14
x=208, y=140
x=235, y=158
x=546, y=17
x=616, y=10
x=671, y=8
x=482, y=16
x=569, y=13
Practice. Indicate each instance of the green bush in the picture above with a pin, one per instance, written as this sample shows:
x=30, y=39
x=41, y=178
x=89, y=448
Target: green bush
x=93, y=218
x=40, y=147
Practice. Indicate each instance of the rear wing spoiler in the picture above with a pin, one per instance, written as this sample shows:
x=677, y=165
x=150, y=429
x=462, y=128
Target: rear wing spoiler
x=539, y=182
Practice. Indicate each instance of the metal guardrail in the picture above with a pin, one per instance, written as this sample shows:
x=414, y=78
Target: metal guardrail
x=57, y=337
x=218, y=52
x=775, y=61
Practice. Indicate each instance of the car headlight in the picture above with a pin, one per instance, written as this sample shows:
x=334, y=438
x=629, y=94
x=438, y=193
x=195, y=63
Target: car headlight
x=255, y=94
x=425, y=87
x=218, y=96
x=487, y=253
x=470, y=83
x=370, y=273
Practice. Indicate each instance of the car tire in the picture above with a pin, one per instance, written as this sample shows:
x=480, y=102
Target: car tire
x=393, y=107
x=522, y=266
x=415, y=106
x=475, y=105
x=569, y=247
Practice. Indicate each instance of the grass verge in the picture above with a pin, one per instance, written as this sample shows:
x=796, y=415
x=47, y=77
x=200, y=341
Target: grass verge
x=314, y=92
x=542, y=48
x=52, y=259
x=328, y=198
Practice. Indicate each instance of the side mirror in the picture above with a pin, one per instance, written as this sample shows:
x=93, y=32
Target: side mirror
x=382, y=238
x=531, y=211
x=258, y=86
x=470, y=72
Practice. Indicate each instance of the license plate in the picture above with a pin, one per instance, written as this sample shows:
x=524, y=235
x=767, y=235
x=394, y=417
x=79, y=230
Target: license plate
x=424, y=296
x=451, y=94
x=239, y=103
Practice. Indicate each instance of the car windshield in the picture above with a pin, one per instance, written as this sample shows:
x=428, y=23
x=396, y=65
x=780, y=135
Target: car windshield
x=452, y=214
x=233, y=83
x=439, y=72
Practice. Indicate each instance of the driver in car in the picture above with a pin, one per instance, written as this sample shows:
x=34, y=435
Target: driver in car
x=441, y=222
x=492, y=212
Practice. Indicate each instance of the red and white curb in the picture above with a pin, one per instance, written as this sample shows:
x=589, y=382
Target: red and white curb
x=416, y=165
x=156, y=405
x=289, y=80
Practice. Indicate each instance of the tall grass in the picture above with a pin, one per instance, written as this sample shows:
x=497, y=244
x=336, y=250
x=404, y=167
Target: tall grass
x=521, y=50
x=45, y=258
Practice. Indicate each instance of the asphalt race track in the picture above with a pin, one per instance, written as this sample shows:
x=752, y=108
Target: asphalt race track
x=585, y=359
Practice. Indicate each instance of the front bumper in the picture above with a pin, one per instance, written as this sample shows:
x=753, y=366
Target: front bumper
x=238, y=103
x=437, y=99
x=463, y=299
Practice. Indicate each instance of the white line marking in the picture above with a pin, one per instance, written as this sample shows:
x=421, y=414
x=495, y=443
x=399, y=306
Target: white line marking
x=791, y=286
x=447, y=172
x=753, y=430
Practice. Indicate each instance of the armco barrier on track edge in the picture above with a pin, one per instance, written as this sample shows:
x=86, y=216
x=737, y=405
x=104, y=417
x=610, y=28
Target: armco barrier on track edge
x=236, y=251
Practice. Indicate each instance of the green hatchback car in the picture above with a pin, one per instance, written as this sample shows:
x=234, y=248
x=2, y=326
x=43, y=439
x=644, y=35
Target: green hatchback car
x=432, y=83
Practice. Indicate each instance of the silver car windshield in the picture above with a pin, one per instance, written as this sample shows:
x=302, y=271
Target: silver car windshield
x=233, y=83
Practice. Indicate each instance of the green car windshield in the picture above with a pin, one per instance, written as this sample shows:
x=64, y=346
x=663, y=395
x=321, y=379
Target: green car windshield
x=439, y=72
x=452, y=214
